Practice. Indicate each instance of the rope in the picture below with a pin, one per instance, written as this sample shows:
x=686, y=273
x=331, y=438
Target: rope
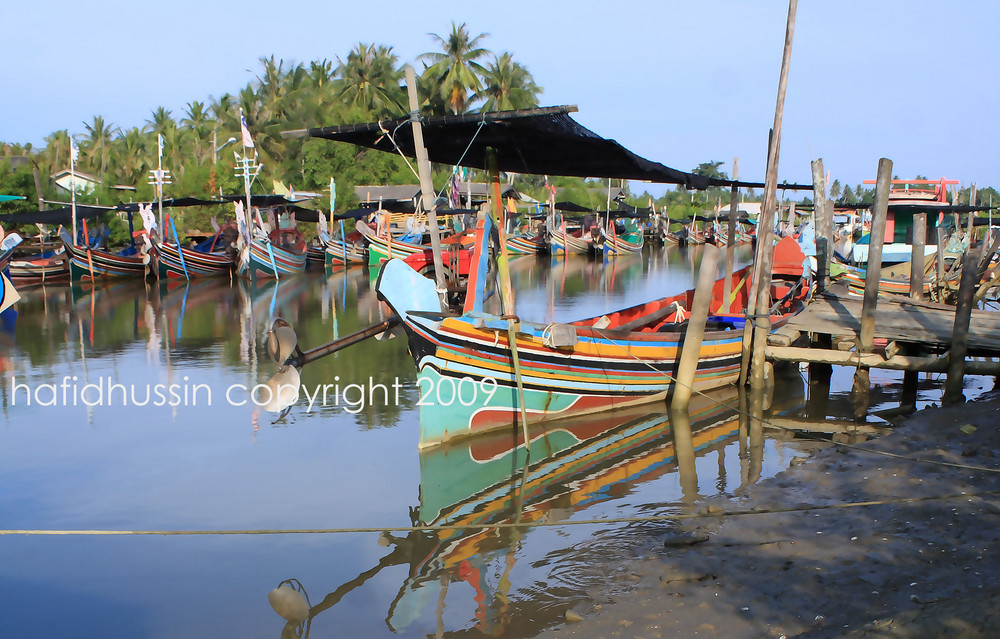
x=502, y=525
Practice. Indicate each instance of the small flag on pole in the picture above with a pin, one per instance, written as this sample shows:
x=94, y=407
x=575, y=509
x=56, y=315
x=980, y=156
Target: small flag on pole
x=74, y=152
x=159, y=142
x=247, y=140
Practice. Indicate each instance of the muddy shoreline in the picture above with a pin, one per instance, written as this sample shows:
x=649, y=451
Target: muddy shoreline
x=847, y=543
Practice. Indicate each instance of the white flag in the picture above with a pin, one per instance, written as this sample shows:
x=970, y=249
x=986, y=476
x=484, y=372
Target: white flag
x=247, y=140
x=74, y=152
x=159, y=141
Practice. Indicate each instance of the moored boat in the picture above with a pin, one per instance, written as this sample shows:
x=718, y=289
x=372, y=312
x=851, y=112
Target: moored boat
x=86, y=263
x=627, y=243
x=465, y=366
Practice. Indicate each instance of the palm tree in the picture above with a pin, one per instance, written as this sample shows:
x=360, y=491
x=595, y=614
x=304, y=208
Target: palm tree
x=370, y=80
x=163, y=124
x=131, y=150
x=457, y=68
x=56, y=151
x=197, y=123
x=507, y=85
x=97, y=145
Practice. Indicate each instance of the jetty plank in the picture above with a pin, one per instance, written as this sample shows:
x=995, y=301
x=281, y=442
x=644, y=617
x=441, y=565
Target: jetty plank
x=900, y=319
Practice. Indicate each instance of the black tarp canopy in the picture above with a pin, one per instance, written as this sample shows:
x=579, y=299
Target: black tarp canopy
x=543, y=141
x=64, y=215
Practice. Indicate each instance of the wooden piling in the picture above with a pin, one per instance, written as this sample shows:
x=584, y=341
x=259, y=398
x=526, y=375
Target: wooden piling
x=427, y=194
x=730, y=250
x=821, y=373
x=760, y=320
x=874, y=268
x=939, y=265
x=960, y=334
x=824, y=226
x=866, y=333
x=680, y=427
x=917, y=256
x=691, y=350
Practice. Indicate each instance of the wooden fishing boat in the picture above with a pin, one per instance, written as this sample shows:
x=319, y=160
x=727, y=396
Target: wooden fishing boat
x=210, y=258
x=564, y=242
x=894, y=279
x=91, y=263
x=281, y=254
x=628, y=243
x=41, y=269
x=180, y=262
x=350, y=252
x=522, y=245
x=382, y=248
x=465, y=366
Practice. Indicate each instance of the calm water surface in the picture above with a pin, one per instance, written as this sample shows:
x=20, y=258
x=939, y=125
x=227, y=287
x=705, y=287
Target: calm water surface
x=207, y=459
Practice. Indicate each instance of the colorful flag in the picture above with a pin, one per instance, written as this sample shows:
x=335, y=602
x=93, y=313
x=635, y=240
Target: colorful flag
x=247, y=140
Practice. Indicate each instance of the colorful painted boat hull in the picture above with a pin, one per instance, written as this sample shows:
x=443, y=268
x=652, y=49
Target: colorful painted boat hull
x=615, y=245
x=258, y=263
x=466, y=377
x=89, y=264
x=561, y=242
x=339, y=253
x=39, y=271
x=517, y=245
x=194, y=264
x=381, y=249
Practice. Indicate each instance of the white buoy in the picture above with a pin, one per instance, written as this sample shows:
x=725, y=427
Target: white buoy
x=289, y=603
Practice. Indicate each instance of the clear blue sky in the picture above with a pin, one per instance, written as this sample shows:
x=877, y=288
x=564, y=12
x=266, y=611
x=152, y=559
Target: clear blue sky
x=676, y=82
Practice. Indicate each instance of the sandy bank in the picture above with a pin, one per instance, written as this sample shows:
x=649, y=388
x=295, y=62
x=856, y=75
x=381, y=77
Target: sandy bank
x=856, y=544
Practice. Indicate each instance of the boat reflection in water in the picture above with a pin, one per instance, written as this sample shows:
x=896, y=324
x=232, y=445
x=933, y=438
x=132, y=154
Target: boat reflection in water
x=481, y=496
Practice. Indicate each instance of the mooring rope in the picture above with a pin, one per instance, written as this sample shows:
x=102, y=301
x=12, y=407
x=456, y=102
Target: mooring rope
x=707, y=514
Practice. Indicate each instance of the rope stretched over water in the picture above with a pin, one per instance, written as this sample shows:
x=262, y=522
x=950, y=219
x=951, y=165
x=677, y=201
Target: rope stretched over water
x=503, y=525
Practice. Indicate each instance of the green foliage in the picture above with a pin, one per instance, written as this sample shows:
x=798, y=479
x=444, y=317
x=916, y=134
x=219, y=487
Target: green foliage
x=17, y=182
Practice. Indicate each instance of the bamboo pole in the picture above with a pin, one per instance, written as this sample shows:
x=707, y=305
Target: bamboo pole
x=762, y=323
x=426, y=186
x=691, y=350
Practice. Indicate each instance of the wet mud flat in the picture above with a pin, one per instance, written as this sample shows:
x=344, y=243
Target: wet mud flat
x=845, y=543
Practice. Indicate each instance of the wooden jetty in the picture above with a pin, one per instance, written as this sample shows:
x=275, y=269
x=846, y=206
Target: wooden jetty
x=918, y=334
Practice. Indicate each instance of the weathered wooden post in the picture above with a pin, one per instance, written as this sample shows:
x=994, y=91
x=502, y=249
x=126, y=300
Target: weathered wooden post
x=727, y=291
x=873, y=272
x=821, y=373
x=680, y=428
x=426, y=186
x=691, y=350
x=824, y=226
x=939, y=265
x=960, y=332
x=757, y=314
x=917, y=257
x=971, y=229
x=917, y=260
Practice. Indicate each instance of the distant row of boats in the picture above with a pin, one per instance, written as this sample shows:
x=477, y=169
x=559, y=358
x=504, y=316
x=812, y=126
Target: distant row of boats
x=255, y=248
